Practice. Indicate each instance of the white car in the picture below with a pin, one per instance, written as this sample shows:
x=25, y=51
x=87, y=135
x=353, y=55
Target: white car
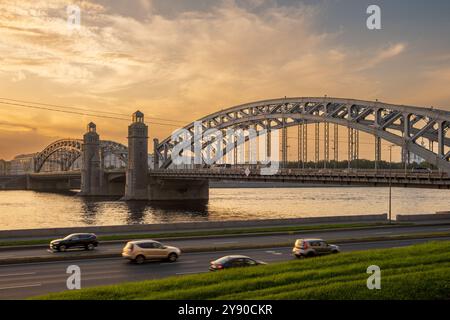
x=141, y=250
x=313, y=247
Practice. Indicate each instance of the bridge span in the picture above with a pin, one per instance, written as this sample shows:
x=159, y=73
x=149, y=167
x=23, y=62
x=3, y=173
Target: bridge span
x=397, y=178
x=185, y=178
x=423, y=132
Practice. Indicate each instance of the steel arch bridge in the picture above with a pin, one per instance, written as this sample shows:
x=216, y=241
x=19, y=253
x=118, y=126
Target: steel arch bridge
x=398, y=124
x=69, y=150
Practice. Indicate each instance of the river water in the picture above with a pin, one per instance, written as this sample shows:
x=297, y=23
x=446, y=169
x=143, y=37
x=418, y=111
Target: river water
x=28, y=209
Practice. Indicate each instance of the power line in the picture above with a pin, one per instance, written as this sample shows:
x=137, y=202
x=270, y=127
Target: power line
x=60, y=106
x=81, y=113
x=83, y=109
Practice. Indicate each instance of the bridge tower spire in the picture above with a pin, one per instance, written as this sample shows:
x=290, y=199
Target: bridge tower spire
x=136, y=187
x=92, y=171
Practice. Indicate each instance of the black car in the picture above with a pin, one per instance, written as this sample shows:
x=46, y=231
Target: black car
x=233, y=262
x=87, y=241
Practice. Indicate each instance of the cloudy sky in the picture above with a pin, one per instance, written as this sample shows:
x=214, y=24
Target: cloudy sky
x=182, y=59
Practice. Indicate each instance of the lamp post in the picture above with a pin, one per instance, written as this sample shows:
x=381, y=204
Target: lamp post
x=390, y=184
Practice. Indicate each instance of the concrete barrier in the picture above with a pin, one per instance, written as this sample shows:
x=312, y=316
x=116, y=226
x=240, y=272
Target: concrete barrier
x=442, y=215
x=192, y=226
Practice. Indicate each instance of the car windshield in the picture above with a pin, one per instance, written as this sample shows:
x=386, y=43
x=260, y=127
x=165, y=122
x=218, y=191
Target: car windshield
x=69, y=237
x=251, y=262
x=222, y=260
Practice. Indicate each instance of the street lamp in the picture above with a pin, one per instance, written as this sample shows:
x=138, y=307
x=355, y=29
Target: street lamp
x=390, y=182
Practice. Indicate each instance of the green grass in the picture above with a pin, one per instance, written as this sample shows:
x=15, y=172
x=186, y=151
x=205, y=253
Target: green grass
x=208, y=233
x=415, y=272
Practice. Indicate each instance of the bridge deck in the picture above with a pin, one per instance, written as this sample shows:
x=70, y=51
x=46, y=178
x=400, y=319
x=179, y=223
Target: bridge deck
x=321, y=176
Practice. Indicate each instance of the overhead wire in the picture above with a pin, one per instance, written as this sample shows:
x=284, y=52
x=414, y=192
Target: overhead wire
x=83, y=113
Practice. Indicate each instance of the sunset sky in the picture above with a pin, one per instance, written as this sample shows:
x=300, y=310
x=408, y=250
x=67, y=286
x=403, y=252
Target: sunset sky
x=183, y=59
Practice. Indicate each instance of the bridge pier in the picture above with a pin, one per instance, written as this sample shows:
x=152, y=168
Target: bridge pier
x=136, y=187
x=92, y=175
x=51, y=183
x=115, y=184
x=178, y=189
x=139, y=186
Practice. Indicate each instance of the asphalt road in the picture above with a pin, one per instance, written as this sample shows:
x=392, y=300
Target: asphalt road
x=30, y=279
x=268, y=240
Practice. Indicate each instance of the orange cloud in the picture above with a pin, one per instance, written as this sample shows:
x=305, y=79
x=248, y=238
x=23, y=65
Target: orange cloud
x=185, y=66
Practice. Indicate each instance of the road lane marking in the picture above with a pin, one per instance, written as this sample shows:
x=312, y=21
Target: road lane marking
x=181, y=262
x=17, y=274
x=225, y=242
x=22, y=286
x=274, y=253
x=63, y=262
x=384, y=232
x=191, y=272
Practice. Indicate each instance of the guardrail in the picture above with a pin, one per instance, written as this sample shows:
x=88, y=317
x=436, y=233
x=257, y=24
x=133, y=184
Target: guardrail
x=334, y=177
x=294, y=172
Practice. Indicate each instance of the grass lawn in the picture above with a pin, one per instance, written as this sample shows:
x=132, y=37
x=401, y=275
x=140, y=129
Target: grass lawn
x=414, y=272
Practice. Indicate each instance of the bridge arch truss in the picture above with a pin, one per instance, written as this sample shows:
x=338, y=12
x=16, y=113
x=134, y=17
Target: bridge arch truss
x=67, y=151
x=400, y=125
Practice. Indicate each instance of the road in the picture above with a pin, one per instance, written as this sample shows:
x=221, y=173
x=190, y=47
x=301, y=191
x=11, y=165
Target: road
x=268, y=240
x=30, y=279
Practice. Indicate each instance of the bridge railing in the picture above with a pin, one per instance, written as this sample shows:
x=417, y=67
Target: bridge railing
x=282, y=171
x=300, y=172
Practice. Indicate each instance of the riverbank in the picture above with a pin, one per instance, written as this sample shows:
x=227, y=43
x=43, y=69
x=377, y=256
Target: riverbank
x=42, y=242
x=192, y=226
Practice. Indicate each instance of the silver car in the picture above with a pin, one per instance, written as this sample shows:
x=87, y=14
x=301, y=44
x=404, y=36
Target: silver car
x=305, y=248
x=139, y=251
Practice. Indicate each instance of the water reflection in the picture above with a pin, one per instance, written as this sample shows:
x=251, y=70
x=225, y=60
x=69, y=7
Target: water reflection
x=136, y=211
x=89, y=212
x=186, y=210
x=166, y=212
x=28, y=209
x=193, y=206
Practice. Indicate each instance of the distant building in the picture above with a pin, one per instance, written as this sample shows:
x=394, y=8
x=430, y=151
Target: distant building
x=5, y=167
x=22, y=164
